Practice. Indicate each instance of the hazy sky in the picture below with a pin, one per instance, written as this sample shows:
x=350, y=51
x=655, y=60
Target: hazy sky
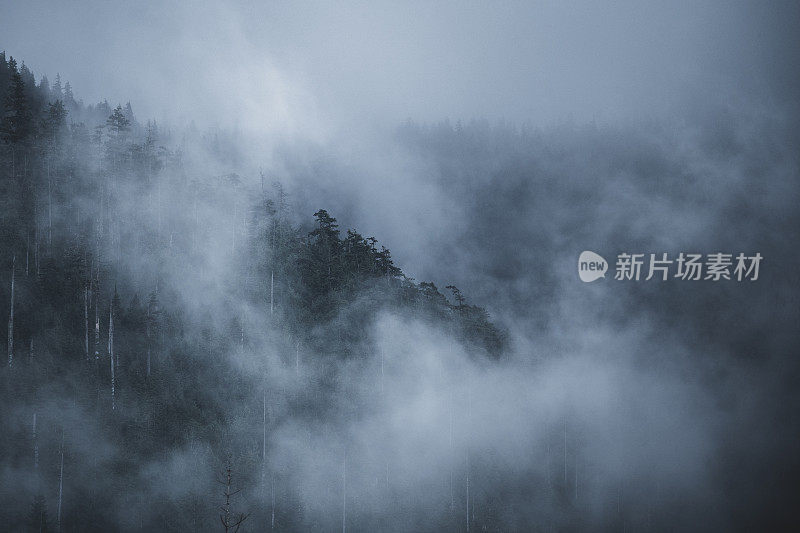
x=306, y=66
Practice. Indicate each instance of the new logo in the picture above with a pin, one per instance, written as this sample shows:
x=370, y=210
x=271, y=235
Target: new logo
x=591, y=266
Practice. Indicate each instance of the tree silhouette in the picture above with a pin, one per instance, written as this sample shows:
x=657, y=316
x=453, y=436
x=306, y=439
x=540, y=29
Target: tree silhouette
x=230, y=521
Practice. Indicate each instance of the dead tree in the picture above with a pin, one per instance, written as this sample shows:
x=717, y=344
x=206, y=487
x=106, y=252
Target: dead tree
x=147, y=336
x=96, y=332
x=97, y=348
x=11, y=316
x=49, y=209
x=152, y=328
x=111, y=354
x=35, y=445
x=344, y=492
x=231, y=522
x=86, y=321
x=60, y=482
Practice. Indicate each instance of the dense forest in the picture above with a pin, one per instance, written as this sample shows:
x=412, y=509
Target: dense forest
x=206, y=330
x=104, y=234
x=198, y=338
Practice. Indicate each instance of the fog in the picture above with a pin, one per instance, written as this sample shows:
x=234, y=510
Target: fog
x=313, y=68
x=486, y=145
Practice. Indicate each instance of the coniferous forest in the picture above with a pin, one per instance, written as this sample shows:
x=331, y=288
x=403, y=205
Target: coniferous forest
x=102, y=225
x=203, y=334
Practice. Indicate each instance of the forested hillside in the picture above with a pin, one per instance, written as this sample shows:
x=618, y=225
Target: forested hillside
x=198, y=338
x=589, y=319
x=161, y=315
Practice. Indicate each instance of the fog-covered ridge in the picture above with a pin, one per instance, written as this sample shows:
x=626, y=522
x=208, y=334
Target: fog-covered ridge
x=194, y=289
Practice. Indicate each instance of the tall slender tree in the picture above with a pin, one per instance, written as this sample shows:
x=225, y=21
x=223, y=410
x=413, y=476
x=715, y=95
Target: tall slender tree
x=35, y=445
x=17, y=124
x=111, y=354
x=230, y=522
x=11, y=315
x=60, y=482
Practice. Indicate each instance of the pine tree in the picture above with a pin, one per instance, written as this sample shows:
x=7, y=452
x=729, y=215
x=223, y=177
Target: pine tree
x=118, y=127
x=56, y=91
x=325, y=251
x=69, y=98
x=55, y=120
x=17, y=121
x=459, y=298
x=118, y=123
x=44, y=86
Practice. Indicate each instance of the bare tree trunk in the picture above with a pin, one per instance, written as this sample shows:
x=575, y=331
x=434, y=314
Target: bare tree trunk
x=469, y=434
x=35, y=445
x=96, y=332
x=158, y=206
x=468, y=490
x=60, y=482
x=548, y=465
x=226, y=509
x=11, y=316
x=264, y=447
x=86, y=321
x=452, y=498
x=565, y=452
x=111, y=353
x=147, y=337
x=344, y=492
x=147, y=330
x=272, y=515
x=233, y=233
x=97, y=351
x=383, y=400
x=264, y=461
x=49, y=208
x=229, y=522
x=196, y=223
x=36, y=251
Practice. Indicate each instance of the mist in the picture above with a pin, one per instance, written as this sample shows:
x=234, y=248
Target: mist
x=181, y=306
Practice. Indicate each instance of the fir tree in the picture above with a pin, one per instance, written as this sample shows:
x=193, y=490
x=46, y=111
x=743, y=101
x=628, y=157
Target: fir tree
x=17, y=121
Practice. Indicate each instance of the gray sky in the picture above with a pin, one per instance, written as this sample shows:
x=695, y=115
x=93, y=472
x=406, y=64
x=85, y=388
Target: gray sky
x=306, y=67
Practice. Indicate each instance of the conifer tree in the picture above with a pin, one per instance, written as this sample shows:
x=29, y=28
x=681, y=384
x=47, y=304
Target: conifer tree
x=17, y=121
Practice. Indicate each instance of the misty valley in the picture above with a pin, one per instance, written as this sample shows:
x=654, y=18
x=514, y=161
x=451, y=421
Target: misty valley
x=207, y=330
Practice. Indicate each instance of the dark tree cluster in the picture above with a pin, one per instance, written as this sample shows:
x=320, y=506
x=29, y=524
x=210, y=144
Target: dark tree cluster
x=99, y=223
